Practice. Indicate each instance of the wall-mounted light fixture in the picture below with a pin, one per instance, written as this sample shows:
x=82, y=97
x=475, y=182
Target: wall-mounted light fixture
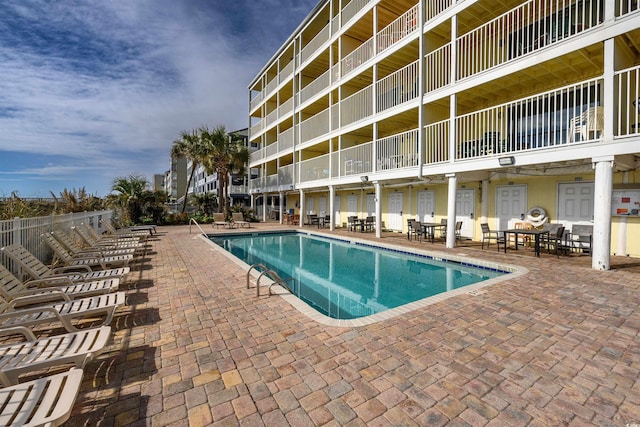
x=291, y=187
x=364, y=178
x=507, y=161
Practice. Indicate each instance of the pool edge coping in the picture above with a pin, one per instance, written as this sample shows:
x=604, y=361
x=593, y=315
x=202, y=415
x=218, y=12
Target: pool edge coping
x=513, y=271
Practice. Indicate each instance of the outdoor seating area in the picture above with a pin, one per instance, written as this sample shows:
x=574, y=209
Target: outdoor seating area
x=56, y=319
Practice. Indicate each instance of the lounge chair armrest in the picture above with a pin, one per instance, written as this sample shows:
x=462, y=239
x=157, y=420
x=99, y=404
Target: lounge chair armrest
x=28, y=334
x=50, y=281
x=36, y=296
x=72, y=268
x=18, y=330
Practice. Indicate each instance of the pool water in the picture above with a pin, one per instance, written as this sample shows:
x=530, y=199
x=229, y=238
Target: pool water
x=343, y=280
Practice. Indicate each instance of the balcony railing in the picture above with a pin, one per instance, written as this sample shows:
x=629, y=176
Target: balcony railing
x=397, y=151
x=318, y=40
x=352, y=9
x=532, y=26
x=436, y=142
x=285, y=139
x=627, y=90
x=438, y=68
x=627, y=6
x=271, y=86
x=315, y=87
x=397, y=88
x=357, y=57
x=569, y=115
x=257, y=99
x=356, y=160
x=271, y=118
x=434, y=8
x=286, y=72
x=271, y=149
x=314, y=126
x=285, y=108
x=314, y=169
x=357, y=106
x=285, y=176
x=404, y=25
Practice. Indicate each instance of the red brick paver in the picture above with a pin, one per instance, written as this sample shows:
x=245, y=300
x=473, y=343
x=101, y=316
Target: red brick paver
x=559, y=345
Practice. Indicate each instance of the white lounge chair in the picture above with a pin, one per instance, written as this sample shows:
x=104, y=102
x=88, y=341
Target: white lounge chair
x=219, y=220
x=34, y=354
x=69, y=245
x=91, y=239
x=63, y=256
x=137, y=231
x=39, y=271
x=238, y=219
x=44, y=401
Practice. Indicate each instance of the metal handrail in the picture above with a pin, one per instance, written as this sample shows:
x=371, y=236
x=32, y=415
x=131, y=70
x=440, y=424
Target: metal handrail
x=264, y=267
x=197, y=225
x=276, y=280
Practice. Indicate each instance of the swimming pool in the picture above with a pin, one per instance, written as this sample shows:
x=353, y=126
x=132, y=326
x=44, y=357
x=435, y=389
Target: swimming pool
x=351, y=279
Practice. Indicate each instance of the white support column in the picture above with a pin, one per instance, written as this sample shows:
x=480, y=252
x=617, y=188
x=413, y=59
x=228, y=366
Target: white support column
x=484, y=202
x=303, y=215
x=281, y=207
x=253, y=202
x=601, y=244
x=265, y=198
x=332, y=208
x=378, y=199
x=451, y=210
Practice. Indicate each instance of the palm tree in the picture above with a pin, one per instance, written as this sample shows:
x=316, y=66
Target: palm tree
x=191, y=146
x=228, y=156
x=131, y=191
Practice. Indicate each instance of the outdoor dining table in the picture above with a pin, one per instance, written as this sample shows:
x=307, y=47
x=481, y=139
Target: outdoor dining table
x=429, y=228
x=516, y=231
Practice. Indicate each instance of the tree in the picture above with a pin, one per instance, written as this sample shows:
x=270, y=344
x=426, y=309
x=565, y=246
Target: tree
x=191, y=146
x=131, y=196
x=227, y=155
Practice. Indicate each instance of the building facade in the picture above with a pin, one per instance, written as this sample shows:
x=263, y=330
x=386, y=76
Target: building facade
x=473, y=111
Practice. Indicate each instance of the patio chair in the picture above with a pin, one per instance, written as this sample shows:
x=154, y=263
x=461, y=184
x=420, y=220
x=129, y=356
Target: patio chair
x=138, y=231
x=488, y=235
x=554, y=238
x=220, y=220
x=46, y=401
x=238, y=218
x=370, y=223
x=69, y=244
x=414, y=230
x=39, y=271
x=62, y=255
x=581, y=237
x=34, y=354
x=352, y=222
x=312, y=219
x=92, y=240
x=458, y=230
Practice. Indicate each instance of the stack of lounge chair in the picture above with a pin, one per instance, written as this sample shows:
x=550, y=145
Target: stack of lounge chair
x=57, y=321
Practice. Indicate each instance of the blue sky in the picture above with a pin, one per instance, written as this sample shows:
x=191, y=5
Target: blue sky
x=91, y=90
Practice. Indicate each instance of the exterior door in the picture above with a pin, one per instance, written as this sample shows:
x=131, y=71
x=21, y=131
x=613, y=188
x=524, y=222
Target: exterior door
x=336, y=205
x=465, y=210
x=575, y=203
x=352, y=205
x=394, y=217
x=322, y=205
x=426, y=205
x=309, y=203
x=511, y=205
x=371, y=204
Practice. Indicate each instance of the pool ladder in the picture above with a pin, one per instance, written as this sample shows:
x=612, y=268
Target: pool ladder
x=275, y=278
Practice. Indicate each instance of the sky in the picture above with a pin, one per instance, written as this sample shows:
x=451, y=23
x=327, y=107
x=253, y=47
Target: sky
x=93, y=90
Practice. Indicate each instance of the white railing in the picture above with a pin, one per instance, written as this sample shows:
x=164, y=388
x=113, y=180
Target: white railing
x=357, y=106
x=404, y=25
x=568, y=115
x=315, y=87
x=238, y=189
x=271, y=149
x=627, y=6
x=285, y=108
x=335, y=72
x=255, y=101
x=271, y=118
x=627, y=93
x=257, y=184
x=271, y=86
x=285, y=139
x=253, y=130
x=532, y=26
x=318, y=40
x=335, y=116
x=352, y=9
x=314, y=169
x=271, y=182
x=397, y=151
x=357, y=57
x=434, y=8
x=314, y=126
x=257, y=155
x=27, y=232
x=436, y=147
x=438, y=68
x=397, y=88
x=356, y=160
x=286, y=72
x=285, y=175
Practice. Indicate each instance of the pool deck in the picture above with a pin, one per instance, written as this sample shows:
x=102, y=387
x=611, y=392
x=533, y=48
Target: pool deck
x=559, y=345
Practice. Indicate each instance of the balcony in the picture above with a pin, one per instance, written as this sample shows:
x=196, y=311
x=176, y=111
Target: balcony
x=399, y=29
x=627, y=89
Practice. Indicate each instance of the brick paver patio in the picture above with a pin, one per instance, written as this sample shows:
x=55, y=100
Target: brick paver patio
x=557, y=346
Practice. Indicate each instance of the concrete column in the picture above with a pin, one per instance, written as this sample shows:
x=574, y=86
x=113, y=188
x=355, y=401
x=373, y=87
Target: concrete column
x=484, y=202
x=302, y=212
x=265, y=198
x=378, y=199
x=451, y=210
x=601, y=244
x=332, y=207
x=621, y=245
x=281, y=207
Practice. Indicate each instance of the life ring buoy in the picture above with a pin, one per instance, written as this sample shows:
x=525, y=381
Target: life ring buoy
x=537, y=216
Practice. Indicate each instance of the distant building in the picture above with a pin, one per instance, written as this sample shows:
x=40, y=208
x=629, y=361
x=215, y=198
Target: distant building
x=176, y=179
x=158, y=182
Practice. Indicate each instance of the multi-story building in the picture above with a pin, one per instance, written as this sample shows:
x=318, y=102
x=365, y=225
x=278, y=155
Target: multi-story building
x=176, y=179
x=473, y=111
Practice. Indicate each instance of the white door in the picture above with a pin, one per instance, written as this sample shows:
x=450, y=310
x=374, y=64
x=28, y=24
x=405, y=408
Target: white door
x=394, y=217
x=336, y=205
x=575, y=203
x=309, y=203
x=352, y=205
x=371, y=204
x=511, y=205
x=426, y=205
x=322, y=206
x=465, y=210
